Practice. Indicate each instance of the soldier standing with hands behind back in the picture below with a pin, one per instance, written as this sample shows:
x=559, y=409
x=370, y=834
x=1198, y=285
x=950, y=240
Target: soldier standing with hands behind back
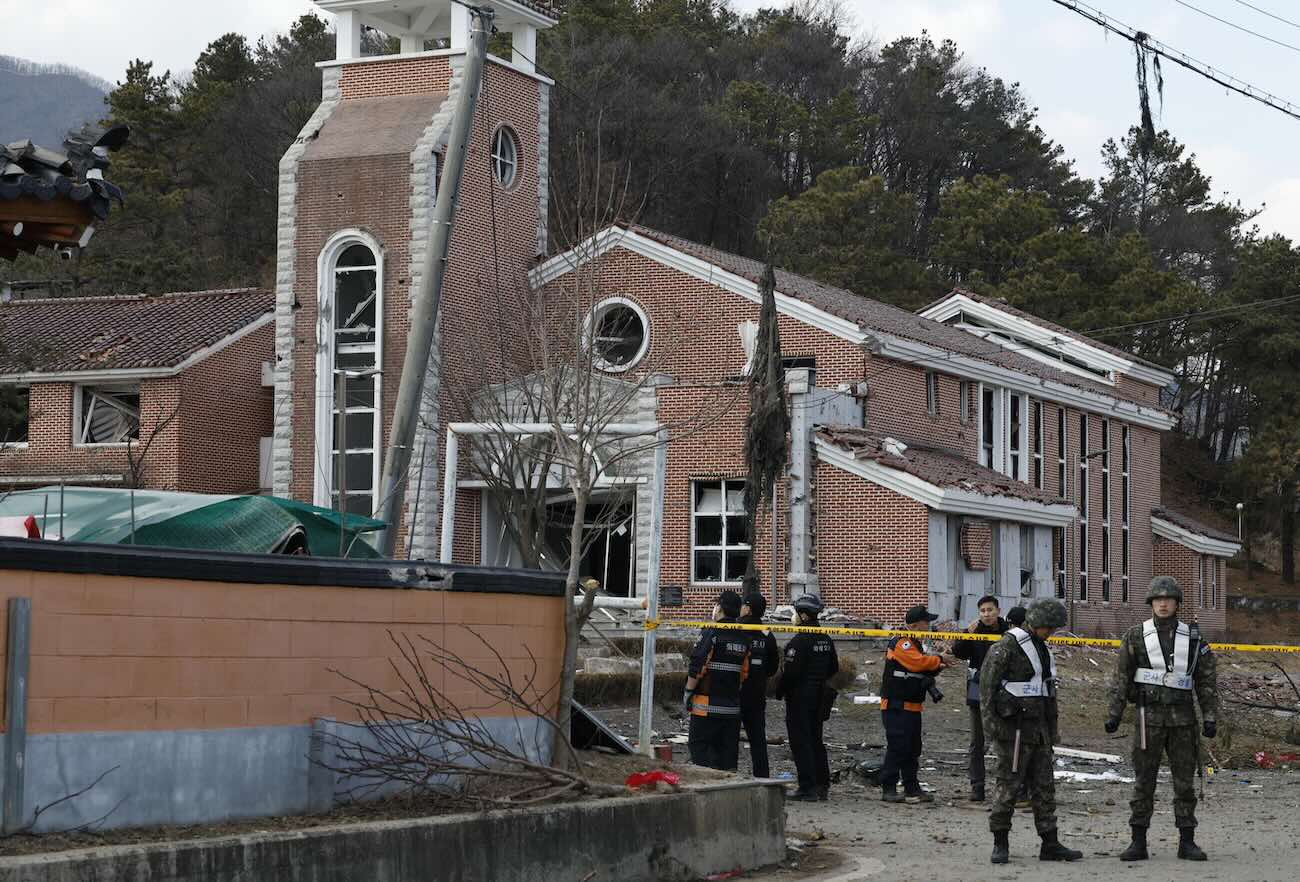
x=1166, y=669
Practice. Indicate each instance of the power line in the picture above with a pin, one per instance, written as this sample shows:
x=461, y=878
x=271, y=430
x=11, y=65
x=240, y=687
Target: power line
x=1180, y=58
x=1286, y=21
x=1230, y=24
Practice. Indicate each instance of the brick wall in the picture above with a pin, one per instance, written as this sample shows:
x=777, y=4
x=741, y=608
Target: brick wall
x=872, y=547
x=120, y=653
x=224, y=413
x=976, y=544
x=1186, y=565
x=199, y=430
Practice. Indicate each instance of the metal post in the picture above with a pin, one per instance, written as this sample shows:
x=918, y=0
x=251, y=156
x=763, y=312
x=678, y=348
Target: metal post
x=451, y=465
x=652, y=594
x=15, y=740
x=341, y=444
x=424, y=311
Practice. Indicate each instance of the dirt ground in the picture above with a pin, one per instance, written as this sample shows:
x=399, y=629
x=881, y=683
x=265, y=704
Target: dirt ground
x=1247, y=817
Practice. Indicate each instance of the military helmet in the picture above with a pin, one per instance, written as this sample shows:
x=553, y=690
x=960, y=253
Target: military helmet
x=809, y=603
x=1047, y=614
x=1164, y=586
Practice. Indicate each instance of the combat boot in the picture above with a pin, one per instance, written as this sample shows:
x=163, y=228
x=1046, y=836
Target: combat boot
x=889, y=794
x=823, y=792
x=1188, y=850
x=977, y=793
x=1053, y=850
x=1137, y=849
x=1001, y=847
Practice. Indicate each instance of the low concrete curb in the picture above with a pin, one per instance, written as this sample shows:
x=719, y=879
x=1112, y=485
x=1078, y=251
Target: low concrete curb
x=667, y=838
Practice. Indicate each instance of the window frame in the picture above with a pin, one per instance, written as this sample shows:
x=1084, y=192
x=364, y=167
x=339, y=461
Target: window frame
x=589, y=330
x=497, y=159
x=1036, y=454
x=327, y=357
x=78, y=421
x=1105, y=510
x=963, y=406
x=1082, y=502
x=725, y=548
x=1126, y=503
x=932, y=393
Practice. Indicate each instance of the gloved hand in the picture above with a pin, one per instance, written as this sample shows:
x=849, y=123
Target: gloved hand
x=686, y=701
x=1209, y=728
x=1112, y=725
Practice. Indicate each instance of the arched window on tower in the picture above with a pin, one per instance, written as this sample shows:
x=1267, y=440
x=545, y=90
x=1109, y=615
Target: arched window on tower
x=349, y=440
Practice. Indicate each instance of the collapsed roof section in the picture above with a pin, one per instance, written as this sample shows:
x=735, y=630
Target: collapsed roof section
x=1191, y=533
x=940, y=479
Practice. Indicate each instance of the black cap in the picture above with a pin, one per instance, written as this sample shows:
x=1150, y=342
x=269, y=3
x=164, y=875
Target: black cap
x=757, y=604
x=919, y=614
x=730, y=602
x=1016, y=615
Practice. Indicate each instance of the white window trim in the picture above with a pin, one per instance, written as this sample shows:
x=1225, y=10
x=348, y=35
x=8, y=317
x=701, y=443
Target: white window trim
x=1082, y=501
x=77, y=390
x=1063, y=476
x=498, y=136
x=588, y=331
x=1021, y=474
x=1037, y=448
x=1126, y=513
x=324, y=409
x=932, y=393
x=21, y=445
x=1106, y=562
x=724, y=547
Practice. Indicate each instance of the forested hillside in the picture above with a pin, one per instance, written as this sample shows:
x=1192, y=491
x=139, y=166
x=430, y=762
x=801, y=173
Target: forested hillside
x=44, y=102
x=897, y=170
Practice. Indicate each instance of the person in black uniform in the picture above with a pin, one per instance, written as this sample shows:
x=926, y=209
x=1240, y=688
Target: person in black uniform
x=718, y=667
x=973, y=653
x=764, y=657
x=810, y=661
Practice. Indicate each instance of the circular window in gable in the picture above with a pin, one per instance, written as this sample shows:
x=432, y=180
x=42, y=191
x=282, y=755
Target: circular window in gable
x=505, y=157
x=620, y=334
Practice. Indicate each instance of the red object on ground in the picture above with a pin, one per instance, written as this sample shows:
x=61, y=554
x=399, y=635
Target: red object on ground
x=728, y=874
x=637, y=780
x=1266, y=760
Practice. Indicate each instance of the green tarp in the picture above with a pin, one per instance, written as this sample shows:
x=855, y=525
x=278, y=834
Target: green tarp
x=253, y=524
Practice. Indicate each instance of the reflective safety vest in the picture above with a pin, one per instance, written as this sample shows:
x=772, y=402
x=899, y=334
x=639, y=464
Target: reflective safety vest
x=1175, y=674
x=1038, y=687
x=725, y=668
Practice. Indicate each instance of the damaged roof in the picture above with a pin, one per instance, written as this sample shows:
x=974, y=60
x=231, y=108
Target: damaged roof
x=872, y=315
x=935, y=465
x=999, y=304
x=1178, y=519
x=74, y=334
x=27, y=169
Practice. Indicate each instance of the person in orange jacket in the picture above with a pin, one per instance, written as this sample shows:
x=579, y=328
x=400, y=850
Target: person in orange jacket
x=908, y=676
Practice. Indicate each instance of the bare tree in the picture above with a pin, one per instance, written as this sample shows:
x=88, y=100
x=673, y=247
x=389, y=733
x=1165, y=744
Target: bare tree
x=418, y=737
x=569, y=357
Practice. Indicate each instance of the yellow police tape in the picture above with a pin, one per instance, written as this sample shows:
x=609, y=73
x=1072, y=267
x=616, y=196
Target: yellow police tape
x=651, y=624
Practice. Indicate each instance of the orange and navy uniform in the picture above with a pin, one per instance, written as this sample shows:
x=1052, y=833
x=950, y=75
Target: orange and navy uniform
x=906, y=666
x=720, y=663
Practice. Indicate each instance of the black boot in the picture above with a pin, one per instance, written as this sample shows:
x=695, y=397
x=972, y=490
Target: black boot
x=823, y=792
x=1001, y=847
x=1053, y=850
x=1188, y=850
x=802, y=795
x=1137, y=849
x=977, y=792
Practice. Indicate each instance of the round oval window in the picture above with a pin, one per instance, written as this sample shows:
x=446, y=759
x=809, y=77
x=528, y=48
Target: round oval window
x=618, y=336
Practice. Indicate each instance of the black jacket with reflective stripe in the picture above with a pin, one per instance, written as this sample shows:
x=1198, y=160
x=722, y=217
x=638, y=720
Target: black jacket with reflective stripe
x=720, y=661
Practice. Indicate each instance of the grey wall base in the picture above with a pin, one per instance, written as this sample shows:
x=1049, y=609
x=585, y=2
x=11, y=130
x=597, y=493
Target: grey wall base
x=199, y=776
x=670, y=837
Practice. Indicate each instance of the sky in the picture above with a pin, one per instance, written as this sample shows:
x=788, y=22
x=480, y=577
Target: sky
x=1079, y=78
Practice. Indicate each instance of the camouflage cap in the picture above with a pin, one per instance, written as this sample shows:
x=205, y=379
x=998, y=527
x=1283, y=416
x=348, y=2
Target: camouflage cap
x=1164, y=586
x=1047, y=614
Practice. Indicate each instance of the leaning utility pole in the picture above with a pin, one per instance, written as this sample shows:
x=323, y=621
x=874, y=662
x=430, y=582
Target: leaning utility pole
x=424, y=311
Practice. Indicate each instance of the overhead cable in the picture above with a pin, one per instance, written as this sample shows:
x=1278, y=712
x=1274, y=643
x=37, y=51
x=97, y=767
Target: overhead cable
x=1180, y=58
x=1236, y=26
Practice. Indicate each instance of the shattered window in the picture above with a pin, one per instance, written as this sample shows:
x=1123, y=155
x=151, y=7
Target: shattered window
x=619, y=337
x=720, y=539
x=354, y=430
x=13, y=414
x=108, y=414
x=505, y=156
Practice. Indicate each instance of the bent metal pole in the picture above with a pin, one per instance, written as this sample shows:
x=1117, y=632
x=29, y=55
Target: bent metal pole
x=424, y=310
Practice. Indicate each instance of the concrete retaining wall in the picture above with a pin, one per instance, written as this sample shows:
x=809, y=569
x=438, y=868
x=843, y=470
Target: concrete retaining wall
x=671, y=837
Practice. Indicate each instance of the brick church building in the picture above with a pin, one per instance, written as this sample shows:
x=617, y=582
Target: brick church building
x=936, y=457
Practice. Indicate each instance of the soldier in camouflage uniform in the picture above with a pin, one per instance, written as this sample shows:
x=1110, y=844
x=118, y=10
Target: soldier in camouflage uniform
x=1166, y=669
x=1018, y=699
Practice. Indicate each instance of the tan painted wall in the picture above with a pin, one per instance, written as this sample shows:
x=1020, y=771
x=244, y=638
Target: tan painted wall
x=125, y=653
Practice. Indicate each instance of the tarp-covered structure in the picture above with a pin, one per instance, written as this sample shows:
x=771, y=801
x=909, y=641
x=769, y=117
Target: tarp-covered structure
x=164, y=519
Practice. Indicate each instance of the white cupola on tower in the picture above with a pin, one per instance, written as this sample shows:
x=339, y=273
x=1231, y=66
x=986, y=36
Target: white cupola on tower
x=437, y=24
